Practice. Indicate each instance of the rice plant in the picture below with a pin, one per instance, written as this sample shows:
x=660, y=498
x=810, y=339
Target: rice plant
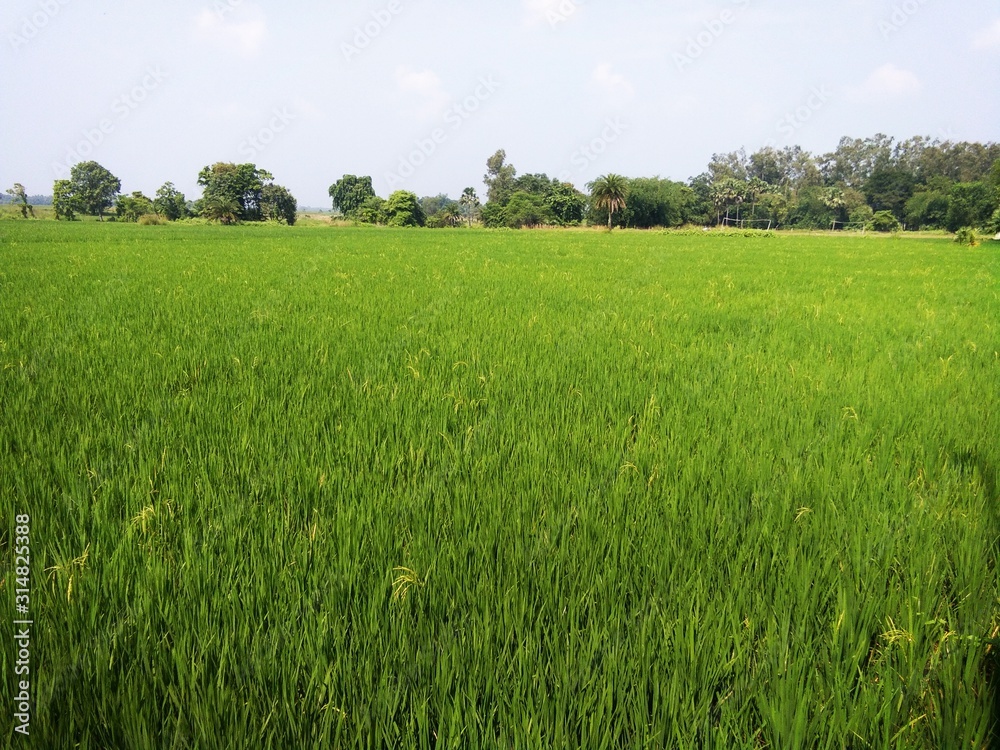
x=360, y=488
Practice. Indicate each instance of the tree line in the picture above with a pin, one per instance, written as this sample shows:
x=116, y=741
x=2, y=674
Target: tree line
x=232, y=193
x=873, y=183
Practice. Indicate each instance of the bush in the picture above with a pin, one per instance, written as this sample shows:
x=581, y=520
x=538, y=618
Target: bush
x=151, y=220
x=885, y=221
x=967, y=236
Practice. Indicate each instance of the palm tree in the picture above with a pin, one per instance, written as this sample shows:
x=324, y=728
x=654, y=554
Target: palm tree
x=469, y=202
x=221, y=209
x=609, y=192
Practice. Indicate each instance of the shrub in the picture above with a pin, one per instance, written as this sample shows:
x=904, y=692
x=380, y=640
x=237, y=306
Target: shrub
x=885, y=221
x=151, y=220
x=967, y=236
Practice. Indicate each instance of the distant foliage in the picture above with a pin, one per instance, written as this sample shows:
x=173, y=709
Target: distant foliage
x=131, y=208
x=91, y=189
x=350, y=193
x=885, y=221
x=242, y=192
x=170, y=203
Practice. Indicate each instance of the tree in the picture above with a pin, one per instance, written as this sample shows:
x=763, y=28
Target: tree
x=567, y=204
x=727, y=192
x=372, y=211
x=856, y=159
x=526, y=209
x=888, y=189
x=19, y=195
x=701, y=206
x=170, y=203
x=131, y=207
x=810, y=209
x=994, y=176
x=349, y=193
x=970, y=204
x=225, y=183
x=64, y=201
x=441, y=211
x=93, y=187
x=499, y=178
x=927, y=209
x=402, y=209
x=277, y=204
x=609, y=192
x=885, y=221
x=655, y=202
x=469, y=203
x=219, y=208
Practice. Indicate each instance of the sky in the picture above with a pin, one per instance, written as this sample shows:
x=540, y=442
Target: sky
x=419, y=93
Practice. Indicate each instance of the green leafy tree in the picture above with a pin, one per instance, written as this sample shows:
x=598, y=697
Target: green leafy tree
x=131, y=207
x=493, y=215
x=94, y=188
x=402, y=209
x=610, y=193
x=499, y=178
x=567, y=204
x=994, y=176
x=170, y=203
x=220, y=208
x=241, y=183
x=970, y=204
x=810, y=209
x=993, y=226
x=885, y=221
x=21, y=198
x=349, y=193
x=527, y=210
x=861, y=216
x=888, y=189
x=702, y=208
x=856, y=160
x=278, y=204
x=372, y=211
x=728, y=193
x=469, y=203
x=655, y=202
x=441, y=211
x=927, y=209
x=64, y=201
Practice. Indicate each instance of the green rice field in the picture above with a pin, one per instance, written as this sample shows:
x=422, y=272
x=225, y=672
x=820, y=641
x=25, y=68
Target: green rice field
x=359, y=488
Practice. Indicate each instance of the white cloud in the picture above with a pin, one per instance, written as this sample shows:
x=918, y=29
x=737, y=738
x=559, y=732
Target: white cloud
x=424, y=91
x=888, y=82
x=614, y=85
x=246, y=37
x=988, y=37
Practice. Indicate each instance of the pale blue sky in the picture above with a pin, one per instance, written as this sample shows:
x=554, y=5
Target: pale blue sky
x=420, y=100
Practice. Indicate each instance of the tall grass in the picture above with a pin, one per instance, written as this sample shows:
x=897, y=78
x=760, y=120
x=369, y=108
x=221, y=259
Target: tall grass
x=358, y=488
